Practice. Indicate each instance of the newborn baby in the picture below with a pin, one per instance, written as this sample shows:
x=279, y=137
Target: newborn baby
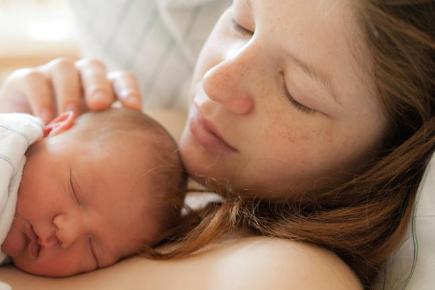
x=93, y=190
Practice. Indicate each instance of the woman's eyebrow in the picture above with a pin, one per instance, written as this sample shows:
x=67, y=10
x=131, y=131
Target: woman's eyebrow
x=315, y=75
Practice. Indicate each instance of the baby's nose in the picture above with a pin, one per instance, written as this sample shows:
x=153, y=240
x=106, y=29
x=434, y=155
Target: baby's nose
x=68, y=229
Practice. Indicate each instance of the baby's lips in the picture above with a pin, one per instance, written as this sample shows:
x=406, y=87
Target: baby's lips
x=34, y=249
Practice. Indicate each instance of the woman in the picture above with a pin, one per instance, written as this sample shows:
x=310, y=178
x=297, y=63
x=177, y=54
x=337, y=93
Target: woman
x=314, y=121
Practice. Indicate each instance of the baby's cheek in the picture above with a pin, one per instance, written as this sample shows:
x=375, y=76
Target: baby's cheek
x=14, y=244
x=15, y=241
x=57, y=262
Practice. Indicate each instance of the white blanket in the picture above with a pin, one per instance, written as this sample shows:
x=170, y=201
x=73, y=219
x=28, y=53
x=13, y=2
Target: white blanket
x=17, y=133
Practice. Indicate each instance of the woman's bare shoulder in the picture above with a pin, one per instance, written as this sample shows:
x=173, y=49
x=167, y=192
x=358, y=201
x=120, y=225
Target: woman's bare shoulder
x=243, y=263
x=268, y=263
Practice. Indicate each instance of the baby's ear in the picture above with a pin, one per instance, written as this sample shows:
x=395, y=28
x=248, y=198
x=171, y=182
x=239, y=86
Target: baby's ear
x=59, y=124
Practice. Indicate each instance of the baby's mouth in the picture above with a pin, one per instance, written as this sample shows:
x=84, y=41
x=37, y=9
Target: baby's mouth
x=33, y=248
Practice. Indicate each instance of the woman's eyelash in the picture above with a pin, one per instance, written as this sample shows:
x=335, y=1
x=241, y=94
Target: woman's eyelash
x=239, y=28
x=295, y=103
x=298, y=105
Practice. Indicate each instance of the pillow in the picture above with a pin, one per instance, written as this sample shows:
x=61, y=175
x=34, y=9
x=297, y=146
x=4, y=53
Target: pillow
x=412, y=266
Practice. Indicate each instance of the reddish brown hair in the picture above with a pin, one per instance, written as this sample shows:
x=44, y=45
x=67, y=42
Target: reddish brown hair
x=364, y=219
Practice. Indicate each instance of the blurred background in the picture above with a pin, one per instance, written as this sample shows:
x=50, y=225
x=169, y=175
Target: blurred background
x=33, y=32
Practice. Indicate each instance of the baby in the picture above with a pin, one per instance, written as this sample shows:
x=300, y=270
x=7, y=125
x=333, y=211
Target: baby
x=93, y=189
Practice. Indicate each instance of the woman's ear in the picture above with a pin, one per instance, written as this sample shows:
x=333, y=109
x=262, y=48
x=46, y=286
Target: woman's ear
x=60, y=124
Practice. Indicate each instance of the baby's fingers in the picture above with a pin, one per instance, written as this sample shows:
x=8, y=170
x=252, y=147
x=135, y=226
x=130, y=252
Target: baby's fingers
x=126, y=89
x=97, y=87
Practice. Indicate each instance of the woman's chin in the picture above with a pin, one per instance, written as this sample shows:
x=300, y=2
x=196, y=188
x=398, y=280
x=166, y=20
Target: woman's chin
x=196, y=159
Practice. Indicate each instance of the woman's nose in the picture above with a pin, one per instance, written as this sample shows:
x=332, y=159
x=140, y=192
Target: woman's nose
x=231, y=84
x=69, y=229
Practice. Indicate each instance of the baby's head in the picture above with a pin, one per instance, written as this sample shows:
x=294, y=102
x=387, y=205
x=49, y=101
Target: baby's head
x=93, y=191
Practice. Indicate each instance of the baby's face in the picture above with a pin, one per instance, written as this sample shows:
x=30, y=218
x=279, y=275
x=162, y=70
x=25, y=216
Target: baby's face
x=79, y=207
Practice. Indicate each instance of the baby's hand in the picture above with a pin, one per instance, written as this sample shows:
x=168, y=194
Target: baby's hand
x=64, y=85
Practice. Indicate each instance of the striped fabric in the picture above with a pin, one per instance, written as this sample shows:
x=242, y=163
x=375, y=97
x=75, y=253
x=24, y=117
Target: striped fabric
x=158, y=40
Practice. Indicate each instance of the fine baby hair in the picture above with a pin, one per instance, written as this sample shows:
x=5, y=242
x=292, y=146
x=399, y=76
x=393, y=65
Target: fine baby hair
x=169, y=177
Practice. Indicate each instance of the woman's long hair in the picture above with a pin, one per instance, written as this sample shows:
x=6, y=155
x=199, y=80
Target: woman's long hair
x=363, y=220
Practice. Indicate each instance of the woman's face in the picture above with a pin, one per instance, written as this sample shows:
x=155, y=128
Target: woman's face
x=281, y=101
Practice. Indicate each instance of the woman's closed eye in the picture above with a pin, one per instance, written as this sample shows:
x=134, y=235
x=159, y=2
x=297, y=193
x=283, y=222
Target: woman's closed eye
x=295, y=103
x=298, y=105
x=239, y=28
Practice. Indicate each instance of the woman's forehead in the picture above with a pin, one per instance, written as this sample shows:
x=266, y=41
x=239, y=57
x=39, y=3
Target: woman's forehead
x=310, y=25
x=327, y=7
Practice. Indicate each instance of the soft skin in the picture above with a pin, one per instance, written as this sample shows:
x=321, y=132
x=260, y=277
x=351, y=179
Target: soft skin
x=275, y=146
x=252, y=264
x=80, y=224
x=287, y=129
x=243, y=77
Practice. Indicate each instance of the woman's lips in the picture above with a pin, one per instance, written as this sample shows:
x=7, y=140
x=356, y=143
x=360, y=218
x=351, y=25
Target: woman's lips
x=33, y=248
x=207, y=135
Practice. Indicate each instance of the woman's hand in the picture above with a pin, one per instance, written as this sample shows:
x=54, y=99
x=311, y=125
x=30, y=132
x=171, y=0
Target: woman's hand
x=63, y=85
